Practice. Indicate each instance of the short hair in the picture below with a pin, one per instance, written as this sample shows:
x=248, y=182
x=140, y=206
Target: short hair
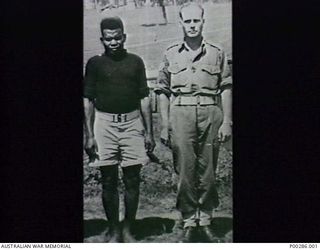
x=191, y=4
x=111, y=23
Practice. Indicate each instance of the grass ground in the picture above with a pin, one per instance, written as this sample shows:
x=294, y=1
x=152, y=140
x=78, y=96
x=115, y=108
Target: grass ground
x=157, y=218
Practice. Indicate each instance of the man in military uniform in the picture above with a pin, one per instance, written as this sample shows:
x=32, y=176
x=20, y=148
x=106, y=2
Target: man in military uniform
x=115, y=95
x=194, y=85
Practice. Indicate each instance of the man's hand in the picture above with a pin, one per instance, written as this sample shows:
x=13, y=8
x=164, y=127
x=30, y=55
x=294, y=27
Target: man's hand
x=225, y=132
x=91, y=148
x=149, y=143
x=91, y=143
x=165, y=138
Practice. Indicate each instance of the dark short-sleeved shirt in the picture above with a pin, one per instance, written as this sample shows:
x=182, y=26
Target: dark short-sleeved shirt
x=204, y=72
x=115, y=84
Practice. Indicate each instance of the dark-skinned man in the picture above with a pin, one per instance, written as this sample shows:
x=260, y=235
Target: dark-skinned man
x=118, y=124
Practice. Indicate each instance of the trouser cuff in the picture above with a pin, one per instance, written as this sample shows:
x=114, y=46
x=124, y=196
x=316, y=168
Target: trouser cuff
x=190, y=222
x=205, y=219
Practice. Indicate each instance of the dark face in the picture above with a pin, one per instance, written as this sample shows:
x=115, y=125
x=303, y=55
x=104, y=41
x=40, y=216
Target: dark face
x=192, y=21
x=113, y=40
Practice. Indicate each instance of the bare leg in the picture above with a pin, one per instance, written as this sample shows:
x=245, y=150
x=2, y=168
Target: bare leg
x=131, y=179
x=110, y=200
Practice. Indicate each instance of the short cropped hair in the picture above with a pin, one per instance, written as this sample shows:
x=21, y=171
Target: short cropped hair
x=191, y=4
x=111, y=23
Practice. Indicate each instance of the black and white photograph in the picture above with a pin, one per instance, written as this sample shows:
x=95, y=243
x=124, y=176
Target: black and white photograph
x=117, y=124
x=157, y=121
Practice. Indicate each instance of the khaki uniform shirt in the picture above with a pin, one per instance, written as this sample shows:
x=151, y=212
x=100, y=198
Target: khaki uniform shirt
x=201, y=72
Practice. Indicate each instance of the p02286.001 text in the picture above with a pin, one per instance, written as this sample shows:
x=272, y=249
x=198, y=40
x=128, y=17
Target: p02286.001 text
x=303, y=245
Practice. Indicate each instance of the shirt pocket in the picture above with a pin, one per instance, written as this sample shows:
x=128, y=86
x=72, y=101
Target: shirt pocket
x=210, y=76
x=178, y=75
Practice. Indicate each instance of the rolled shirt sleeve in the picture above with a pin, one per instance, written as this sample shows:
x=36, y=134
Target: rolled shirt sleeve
x=163, y=81
x=226, y=78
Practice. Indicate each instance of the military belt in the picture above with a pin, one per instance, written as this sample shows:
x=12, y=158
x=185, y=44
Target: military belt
x=117, y=118
x=186, y=100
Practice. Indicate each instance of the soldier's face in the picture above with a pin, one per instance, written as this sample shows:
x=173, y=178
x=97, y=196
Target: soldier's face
x=113, y=39
x=192, y=21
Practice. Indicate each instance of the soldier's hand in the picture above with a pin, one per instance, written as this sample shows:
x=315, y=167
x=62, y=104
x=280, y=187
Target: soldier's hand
x=225, y=132
x=165, y=138
x=149, y=143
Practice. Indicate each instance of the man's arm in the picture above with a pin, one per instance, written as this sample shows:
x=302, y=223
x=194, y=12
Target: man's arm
x=147, y=119
x=225, y=130
x=89, y=92
x=145, y=107
x=88, y=123
x=226, y=97
x=91, y=146
x=163, y=90
x=164, y=113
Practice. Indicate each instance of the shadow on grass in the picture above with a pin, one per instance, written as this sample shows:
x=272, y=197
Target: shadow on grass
x=152, y=226
x=221, y=226
x=94, y=227
x=140, y=229
x=148, y=24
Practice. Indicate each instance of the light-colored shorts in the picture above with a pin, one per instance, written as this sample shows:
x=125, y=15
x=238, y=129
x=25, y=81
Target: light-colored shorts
x=120, y=139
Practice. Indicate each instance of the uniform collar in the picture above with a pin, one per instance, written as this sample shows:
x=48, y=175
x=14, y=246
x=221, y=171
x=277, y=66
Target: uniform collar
x=185, y=47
